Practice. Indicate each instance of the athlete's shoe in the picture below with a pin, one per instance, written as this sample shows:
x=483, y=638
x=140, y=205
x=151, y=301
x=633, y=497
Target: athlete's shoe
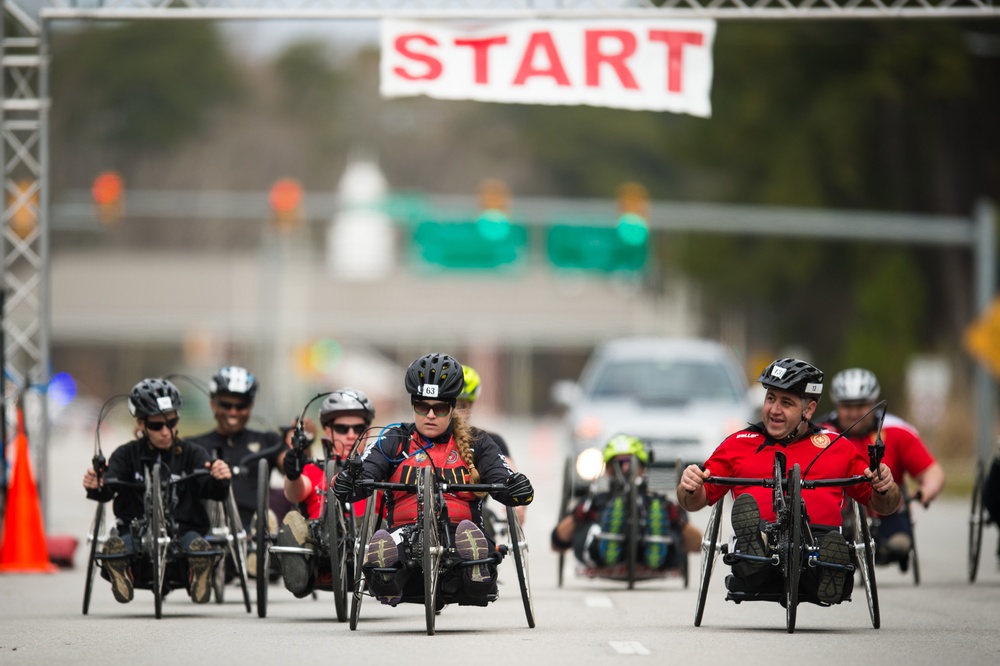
x=746, y=525
x=613, y=524
x=471, y=544
x=295, y=567
x=383, y=553
x=118, y=569
x=200, y=571
x=833, y=549
x=657, y=525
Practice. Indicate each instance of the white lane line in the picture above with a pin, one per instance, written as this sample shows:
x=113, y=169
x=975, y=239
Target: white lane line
x=598, y=601
x=628, y=647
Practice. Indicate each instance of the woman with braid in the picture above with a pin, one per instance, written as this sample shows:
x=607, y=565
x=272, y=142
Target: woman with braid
x=437, y=438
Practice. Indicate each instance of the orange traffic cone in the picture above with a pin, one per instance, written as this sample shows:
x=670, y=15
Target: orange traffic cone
x=23, y=549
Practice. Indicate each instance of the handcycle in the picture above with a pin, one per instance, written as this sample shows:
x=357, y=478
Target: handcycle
x=632, y=486
x=790, y=540
x=156, y=562
x=431, y=548
x=978, y=517
x=910, y=562
x=334, y=532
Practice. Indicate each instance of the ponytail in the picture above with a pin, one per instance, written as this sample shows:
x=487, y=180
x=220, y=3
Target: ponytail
x=463, y=442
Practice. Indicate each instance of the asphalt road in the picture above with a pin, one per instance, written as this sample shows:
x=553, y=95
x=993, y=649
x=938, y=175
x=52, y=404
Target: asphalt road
x=943, y=620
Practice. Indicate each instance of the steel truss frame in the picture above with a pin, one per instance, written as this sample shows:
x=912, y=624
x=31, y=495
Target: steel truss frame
x=24, y=106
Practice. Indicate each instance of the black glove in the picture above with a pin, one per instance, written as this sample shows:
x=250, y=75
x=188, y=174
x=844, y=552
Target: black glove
x=343, y=485
x=519, y=488
x=294, y=461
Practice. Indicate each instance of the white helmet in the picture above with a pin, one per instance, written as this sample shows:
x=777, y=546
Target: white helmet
x=855, y=385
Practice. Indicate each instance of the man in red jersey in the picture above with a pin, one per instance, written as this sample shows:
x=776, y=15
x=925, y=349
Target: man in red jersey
x=855, y=392
x=793, y=391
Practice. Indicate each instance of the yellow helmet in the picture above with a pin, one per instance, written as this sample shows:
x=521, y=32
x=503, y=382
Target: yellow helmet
x=626, y=445
x=472, y=384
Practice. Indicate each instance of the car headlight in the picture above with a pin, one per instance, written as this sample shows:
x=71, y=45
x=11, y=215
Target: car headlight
x=589, y=464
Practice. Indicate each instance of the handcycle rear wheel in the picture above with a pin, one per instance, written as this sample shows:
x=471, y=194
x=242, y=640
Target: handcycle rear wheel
x=364, y=536
x=263, y=536
x=216, y=519
x=159, y=539
x=237, y=547
x=708, y=546
x=430, y=539
x=864, y=547
x=793, y=548
x=92, y=563
x=564, y=509
x=976, y=521
x=338, y=545
x=520, y=547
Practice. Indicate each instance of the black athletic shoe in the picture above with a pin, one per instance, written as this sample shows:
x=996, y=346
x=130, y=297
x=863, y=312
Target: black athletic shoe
x=833, y=549
x=746, y=524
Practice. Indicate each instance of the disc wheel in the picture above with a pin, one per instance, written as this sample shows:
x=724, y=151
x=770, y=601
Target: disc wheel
x=564, y=509
x=976, y=521
x=864, y=547
x=519, y=545
x=159, y=539
x=361, y=544
x=709, y=542
x=631, y=534
x=430, y=538
x=793, y=548
x=237, y=546
x=338, y=545
x=92, y=562
x=263, y=536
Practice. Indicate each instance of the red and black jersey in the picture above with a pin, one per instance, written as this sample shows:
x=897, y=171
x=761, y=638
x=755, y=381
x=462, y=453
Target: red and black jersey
x=750, y=454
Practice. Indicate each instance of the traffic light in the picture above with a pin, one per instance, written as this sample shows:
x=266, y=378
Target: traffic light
x=24, y=202
x=108, y=191
x=285, y=199
x=609, y=248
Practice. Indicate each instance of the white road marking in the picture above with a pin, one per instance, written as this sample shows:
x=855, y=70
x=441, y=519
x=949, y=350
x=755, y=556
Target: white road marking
x=628, y=647
x=599, y=601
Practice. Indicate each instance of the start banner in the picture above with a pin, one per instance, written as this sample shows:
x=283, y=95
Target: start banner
x=654, y=65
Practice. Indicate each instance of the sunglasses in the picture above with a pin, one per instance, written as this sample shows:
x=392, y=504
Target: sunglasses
x=157, y=426
x=426, y=408
x=344, y=428
x=226, y=406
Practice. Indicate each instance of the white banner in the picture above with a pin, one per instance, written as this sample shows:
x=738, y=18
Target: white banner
x=658, y=65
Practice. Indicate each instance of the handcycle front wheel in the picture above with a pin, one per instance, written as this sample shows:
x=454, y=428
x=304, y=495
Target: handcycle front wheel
x=363, y=537
x=793, y=548
x=431, y=541
x=158, y=538
x=632, y=526
x=520, y=547
x=564, y=509
x=237, y=546
x=263, y=535
x=709, y=543
x=338, y=545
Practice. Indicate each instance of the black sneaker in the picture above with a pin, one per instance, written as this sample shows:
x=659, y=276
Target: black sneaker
x=833, y=549
x=383, y=553
x=295, y=567
x=200, y=571
x=118, y=570
x=471, y=544
x=746, y=524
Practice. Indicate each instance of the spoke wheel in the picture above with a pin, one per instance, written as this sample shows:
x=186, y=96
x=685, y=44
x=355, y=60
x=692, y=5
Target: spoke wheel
x=976, y=521
x=519, y=545
x=793, y=549
x=632, y=526
x=430, y=539
x=338, y=545
x=92, y=563
x=360, y=546
x=709, y=544
x=159, y=539
x=216, y=518
x=238, y=546
x=864, y=546
x=263, y=536
x=564, y=508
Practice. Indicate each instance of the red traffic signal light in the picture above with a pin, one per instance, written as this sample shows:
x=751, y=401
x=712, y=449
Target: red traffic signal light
x=285, y=199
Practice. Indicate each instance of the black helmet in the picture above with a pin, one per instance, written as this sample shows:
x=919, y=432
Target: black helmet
x=436, y=376
x=153, y=396
x=234, y=379
x=791, y=374
x=347, y=401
